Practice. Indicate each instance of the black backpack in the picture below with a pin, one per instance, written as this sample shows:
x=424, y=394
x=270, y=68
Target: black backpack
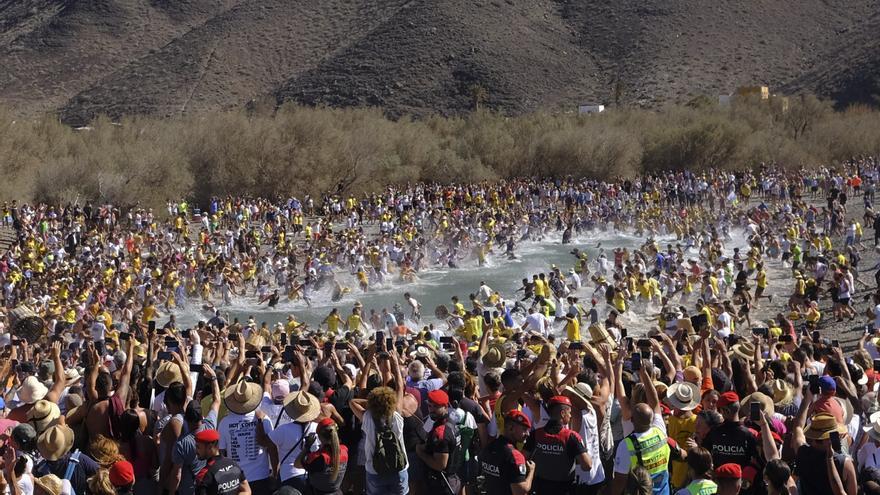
x=388, y=456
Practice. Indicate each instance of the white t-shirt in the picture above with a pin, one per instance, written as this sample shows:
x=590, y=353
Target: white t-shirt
x=590, y=434
x=238, y=437
x=868, y=456
x=725, y=320
x=98, y=330
x=273, y=411
x=621, y=455
x=369, y=430
x=289, y=439
x=535, y=322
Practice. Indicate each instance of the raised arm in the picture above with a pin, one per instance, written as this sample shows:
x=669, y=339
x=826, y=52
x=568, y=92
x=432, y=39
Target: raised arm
x=125, y=374
x=58, y=385
x=651, y=397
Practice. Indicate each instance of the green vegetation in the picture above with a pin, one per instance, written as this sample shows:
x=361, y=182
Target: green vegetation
x=298, y=149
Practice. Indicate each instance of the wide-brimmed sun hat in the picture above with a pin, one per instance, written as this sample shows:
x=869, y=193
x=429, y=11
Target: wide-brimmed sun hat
x=243, y=397
x=168, y=373
x=43, y=415
x=743, y=350
x=49, y=483
x=821, y=427
x=495, y=355
x=581, y=390
x=32, y=390
x=302, y=406
x=783, y=392
x=684, y=396
x=56, y=441
x=761, y=398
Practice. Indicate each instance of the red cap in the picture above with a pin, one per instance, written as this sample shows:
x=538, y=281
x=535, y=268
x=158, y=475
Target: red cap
x=728, y=398
x=438, y=398
x=121, y=473
x=559, y=400
x=749, y=473
x=326, y=423
x=731, y=470
x=208, y=436
x=518, y=417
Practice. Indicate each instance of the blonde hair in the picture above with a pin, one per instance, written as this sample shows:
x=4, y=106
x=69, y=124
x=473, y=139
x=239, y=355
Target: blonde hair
x=99, y=483
x=329, y=435
x=104, y=451
x=382, y=402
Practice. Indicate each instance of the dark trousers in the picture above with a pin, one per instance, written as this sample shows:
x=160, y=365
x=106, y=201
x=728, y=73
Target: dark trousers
x=438, y=486
x=300, y=483
x=263, y=486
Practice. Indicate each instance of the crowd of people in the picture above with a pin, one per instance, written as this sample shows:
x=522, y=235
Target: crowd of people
x=731, y=378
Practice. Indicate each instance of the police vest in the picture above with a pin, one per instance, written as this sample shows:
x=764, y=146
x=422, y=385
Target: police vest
x=652, y=452
x=702, y=487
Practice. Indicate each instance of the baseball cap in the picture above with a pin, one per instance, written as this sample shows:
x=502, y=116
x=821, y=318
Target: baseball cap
x=730, y=470
x=518, y=417
x=728, y=398
x=208, y=436
x=121, y=473
x=325, y=376
x=827, y=384
x=438, y=398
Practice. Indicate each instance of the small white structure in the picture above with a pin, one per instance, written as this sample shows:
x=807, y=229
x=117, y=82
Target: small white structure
x=724, y=99
x=591, y=108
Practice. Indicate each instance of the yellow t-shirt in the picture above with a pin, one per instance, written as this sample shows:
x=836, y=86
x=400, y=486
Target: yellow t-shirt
x=333, y=322
x=354, y=323
x=680, y=429
x=573, y=330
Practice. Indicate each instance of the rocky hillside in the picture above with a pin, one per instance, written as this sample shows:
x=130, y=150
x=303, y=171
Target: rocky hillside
x=82, y=58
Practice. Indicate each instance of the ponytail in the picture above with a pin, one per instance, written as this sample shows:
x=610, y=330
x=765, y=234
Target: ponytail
x=330, y=437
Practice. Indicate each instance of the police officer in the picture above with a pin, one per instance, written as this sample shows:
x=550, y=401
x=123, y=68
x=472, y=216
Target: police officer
x=220, y=476
x=506, y=470
x=555, y=448
x=439, y=450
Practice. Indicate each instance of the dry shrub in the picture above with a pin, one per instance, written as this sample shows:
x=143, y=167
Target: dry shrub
x=297, y=150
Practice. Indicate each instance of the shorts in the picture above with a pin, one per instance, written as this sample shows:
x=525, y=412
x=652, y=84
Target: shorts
x=392, y=484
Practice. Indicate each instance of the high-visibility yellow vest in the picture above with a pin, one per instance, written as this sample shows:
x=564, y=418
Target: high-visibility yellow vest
x=702, y=487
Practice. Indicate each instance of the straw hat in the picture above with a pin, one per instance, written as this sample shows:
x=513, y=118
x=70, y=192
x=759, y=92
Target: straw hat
x=302, y=406
x=847, y=408
x=744, y=350
x=495, y=356
x=56, y=441
x=32, y=390
x=243, y=397
x=49, y=483
x=873, y=430
x=761, y=398
x=684, y=396
x=71, y=377
x=821, y=426
x=43, y=415
x=168, y=373
x=581, y=390
x=783, y=392
x=599, y=335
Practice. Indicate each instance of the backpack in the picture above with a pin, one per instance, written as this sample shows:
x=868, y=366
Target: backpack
x=388, y=455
